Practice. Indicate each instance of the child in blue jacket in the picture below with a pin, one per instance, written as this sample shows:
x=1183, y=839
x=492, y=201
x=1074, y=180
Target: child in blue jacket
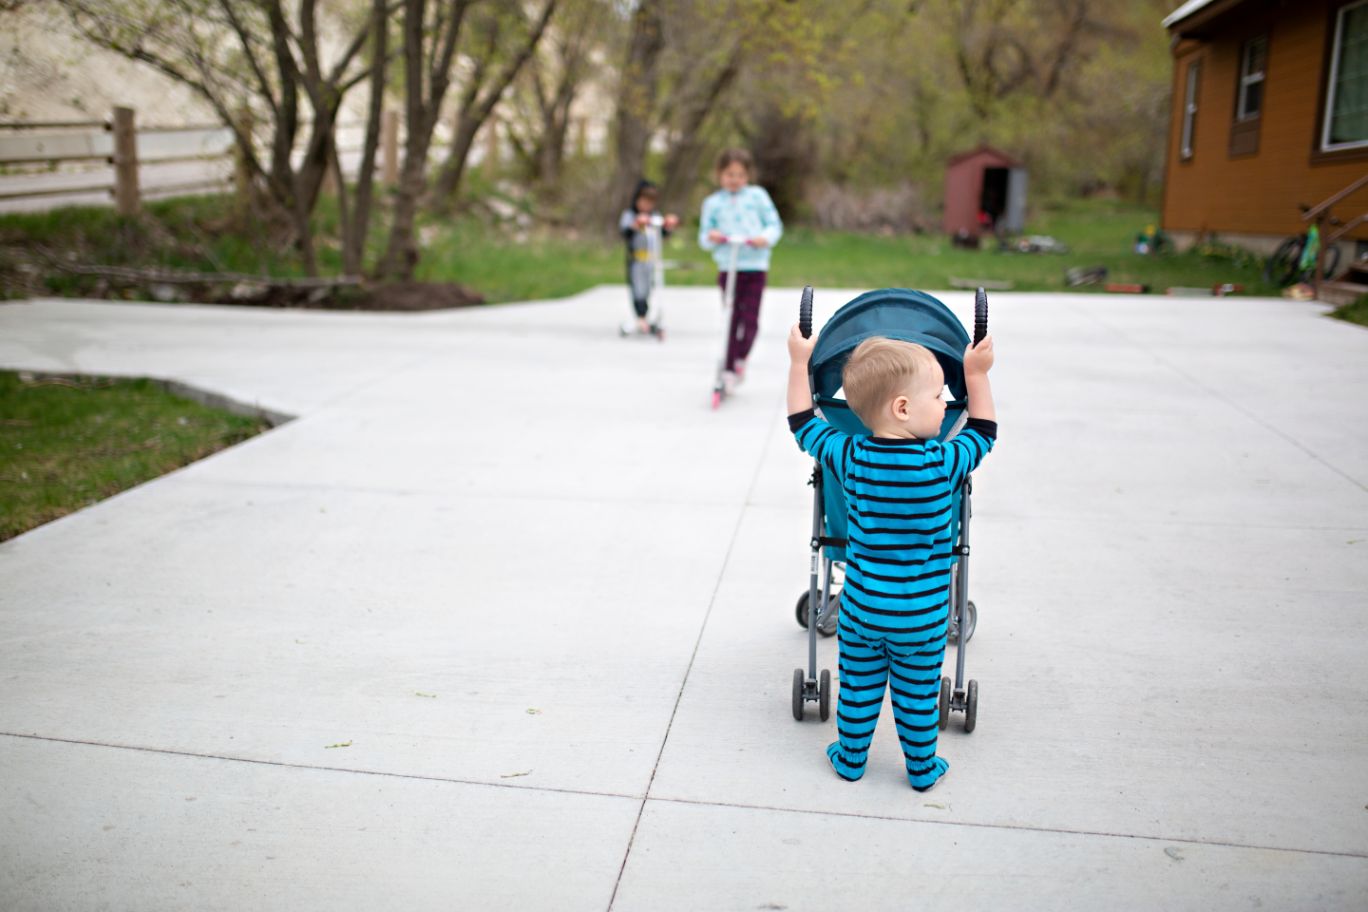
x=740, y=210
x=899, y=484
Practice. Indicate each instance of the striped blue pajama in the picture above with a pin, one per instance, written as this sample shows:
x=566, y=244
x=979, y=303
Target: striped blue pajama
x=895, y=603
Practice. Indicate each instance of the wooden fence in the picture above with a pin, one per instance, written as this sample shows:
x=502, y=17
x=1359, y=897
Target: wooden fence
x=94, y=161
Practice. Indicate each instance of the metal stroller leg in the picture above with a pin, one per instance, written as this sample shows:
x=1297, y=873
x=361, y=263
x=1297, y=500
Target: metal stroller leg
x=962, y=699
x=812, y=687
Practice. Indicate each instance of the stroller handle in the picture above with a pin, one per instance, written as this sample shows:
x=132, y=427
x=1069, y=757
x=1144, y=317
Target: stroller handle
x=980, y=315
x=805, y=313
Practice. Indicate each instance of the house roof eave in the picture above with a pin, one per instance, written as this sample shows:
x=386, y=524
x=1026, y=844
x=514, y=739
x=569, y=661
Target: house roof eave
x=1194, y=15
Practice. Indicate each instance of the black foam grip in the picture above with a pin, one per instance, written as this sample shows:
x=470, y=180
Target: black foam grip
x=980, y=315
x=805, y=313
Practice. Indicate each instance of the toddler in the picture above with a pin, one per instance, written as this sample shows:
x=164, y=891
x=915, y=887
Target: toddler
x=740, y=210
x=898, y=485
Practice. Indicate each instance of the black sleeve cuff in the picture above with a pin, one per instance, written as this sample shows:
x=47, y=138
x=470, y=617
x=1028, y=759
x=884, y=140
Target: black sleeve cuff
x=800, y=419
x=983, y=426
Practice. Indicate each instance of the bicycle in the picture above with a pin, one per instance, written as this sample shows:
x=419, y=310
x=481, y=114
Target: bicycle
x=1295, y=260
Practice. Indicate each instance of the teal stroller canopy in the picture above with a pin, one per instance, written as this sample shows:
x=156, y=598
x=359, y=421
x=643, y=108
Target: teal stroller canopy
x=894, y=313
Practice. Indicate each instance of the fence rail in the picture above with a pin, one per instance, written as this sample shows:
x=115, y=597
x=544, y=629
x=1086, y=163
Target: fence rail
x=115, y=158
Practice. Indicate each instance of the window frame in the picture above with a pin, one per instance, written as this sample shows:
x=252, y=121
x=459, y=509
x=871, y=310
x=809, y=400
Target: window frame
x=1323, y=144
x=1246, y=79
x=1187, y=132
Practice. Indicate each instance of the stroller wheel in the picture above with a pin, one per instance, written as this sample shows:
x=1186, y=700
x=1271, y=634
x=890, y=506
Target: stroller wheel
x=824, y=696
x=798, y=694
x=826, y=621
x=970, y=624
x=944, y=704
x=971, y=707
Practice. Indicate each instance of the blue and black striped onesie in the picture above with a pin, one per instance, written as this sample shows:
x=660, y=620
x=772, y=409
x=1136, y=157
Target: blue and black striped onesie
x=895, y=604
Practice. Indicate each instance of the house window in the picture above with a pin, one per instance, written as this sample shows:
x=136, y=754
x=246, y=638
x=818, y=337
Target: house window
x=1253, y=58
x=1190, y=108
x=1346, y=106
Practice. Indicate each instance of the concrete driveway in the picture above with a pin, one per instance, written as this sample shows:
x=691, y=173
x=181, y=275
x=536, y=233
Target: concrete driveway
x=503, y=619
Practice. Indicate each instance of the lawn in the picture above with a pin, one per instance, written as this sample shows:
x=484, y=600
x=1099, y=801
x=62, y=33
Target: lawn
x=504, y=264
x=67, y=443
x=1097, y=232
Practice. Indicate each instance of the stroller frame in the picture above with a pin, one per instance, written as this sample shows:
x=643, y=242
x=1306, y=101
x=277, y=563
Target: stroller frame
x=812, y=686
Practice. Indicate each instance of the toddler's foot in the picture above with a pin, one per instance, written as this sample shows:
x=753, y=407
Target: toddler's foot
x=729, y=382
x=838, y=764
x=926, y=779
x=739, y=368
x=643, y=325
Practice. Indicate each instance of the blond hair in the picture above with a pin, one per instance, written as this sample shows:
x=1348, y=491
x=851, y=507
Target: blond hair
x=880, y=369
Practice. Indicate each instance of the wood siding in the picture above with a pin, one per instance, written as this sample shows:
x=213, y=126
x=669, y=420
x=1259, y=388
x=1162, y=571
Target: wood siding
x=1259, y=193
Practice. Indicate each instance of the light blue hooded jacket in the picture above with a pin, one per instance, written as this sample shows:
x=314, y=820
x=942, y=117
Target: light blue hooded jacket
x=749, y=212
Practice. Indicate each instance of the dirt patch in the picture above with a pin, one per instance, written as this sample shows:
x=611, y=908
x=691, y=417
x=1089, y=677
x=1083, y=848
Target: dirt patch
x=388, y=296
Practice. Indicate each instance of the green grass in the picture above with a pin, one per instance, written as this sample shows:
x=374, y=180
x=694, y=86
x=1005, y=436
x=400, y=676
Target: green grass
x=65, y=444
x=1355, y=312
x=203, y=233
x=1098, y=233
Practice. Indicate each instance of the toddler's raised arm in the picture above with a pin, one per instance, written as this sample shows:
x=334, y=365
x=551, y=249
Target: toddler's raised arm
x=978, y=360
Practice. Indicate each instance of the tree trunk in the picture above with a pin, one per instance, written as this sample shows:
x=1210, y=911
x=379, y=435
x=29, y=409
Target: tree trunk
x=636, y=100
x=354, y=244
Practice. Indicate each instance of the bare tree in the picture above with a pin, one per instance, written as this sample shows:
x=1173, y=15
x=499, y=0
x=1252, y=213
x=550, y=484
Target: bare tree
x=504, y=43
x=549, y=85
x=241, y=55
x=430, y=46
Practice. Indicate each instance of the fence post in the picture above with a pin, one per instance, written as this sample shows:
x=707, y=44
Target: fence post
x=389, y=138
x=125, y=162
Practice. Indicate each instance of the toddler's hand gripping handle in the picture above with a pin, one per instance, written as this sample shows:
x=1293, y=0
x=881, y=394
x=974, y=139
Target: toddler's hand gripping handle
x=980, y=315
x=805, y=313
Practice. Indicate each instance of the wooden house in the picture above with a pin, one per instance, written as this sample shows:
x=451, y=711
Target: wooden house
x=1269, y=114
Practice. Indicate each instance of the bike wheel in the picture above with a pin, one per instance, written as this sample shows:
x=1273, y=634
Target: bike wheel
x=1285, y=263
x=1330, y=261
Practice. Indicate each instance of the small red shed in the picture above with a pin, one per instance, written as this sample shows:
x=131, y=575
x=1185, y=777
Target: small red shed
x=984, y=181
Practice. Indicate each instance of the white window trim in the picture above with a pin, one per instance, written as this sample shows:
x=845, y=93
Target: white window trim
x=1325, y=144
x=1192, y=75
x=1249, y=79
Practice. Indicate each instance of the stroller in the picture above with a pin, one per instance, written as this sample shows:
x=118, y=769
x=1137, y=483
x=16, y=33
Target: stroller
x=912, y=316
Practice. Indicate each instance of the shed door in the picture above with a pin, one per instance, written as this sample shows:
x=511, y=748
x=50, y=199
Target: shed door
x=1016, y=200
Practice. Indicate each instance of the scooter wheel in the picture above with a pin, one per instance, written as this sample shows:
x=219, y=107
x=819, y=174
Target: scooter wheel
x=971, y=707
x=824, y=696
x=798, y=694
x=944, y=704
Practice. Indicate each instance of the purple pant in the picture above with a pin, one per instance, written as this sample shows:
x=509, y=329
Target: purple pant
x=745, y=315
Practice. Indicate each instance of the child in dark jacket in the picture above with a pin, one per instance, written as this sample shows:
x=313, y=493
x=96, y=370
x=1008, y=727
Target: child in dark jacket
x=635, y=223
